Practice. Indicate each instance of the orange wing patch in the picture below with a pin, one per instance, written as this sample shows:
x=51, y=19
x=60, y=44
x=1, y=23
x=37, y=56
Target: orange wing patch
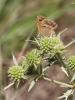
x=45, y=26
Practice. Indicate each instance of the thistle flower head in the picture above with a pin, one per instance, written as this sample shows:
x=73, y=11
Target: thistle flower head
x=16, y=73
x=32, y=58
x=71, y=63
x=44, y=44
x=50, y=44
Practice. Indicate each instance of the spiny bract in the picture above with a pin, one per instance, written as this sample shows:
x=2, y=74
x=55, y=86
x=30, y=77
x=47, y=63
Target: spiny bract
x=51, y=44
x=16, y=73
x=71, y=63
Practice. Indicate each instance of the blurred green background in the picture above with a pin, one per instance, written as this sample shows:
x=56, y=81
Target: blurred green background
x=18, y=23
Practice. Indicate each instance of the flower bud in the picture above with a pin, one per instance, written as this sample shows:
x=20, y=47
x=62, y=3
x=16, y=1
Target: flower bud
x=16, y=73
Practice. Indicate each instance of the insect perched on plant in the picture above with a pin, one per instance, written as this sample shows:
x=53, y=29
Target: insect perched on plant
x=45, y=26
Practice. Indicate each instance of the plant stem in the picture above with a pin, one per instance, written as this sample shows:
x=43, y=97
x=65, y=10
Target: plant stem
x=59, y=83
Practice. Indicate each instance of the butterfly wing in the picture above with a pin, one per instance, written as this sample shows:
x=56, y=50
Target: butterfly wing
x=45, y=27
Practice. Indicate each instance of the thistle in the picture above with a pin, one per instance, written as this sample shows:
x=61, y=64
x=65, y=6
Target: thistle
x=16, y=73
x=51, y=45
x=33, y=57
x=44, y=44
x=31, y=61
x=71, y=63
x=56, y=45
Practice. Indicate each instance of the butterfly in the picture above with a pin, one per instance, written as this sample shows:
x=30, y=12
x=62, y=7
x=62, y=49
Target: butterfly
x=45, y=26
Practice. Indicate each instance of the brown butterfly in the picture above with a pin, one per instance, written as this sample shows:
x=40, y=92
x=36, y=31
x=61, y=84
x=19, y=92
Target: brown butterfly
x=45, y=26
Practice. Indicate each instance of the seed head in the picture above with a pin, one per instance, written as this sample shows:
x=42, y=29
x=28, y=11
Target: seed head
x=16, y=73
x=51, y=45
x=33, y=57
